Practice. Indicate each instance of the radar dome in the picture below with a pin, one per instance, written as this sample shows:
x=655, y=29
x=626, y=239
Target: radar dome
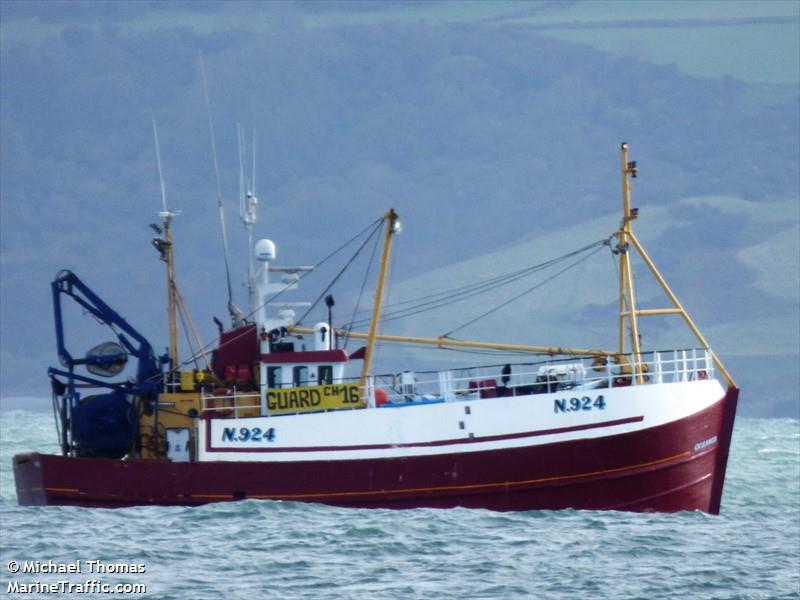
x=265, y=250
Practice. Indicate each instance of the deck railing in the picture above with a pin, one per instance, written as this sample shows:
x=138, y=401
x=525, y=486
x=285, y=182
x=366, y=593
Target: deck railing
x=500, y=380
x=229, y=403
x=550, y=376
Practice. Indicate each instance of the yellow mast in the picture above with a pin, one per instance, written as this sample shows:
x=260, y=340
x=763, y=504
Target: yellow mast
x=175, y=303
x=164, y=247
x=626, y=241
x=172, y=302
x=392, y=227
x=627, y=293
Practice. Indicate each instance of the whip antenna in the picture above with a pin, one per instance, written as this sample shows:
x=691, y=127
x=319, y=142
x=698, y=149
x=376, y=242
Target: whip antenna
x=160, y=173
x=247, y=211
x=236, y=314
x=253, y=178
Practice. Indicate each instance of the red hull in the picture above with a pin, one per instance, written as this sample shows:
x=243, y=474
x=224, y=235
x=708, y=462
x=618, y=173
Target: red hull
x=657, y=469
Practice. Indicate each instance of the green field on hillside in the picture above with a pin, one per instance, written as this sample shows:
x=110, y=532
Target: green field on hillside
x=755, y=41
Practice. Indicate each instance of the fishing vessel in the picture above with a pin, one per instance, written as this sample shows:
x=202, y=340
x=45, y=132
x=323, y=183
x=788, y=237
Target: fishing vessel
x=283, y=412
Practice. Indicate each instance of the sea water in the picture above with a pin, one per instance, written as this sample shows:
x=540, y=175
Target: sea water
x=286, y=550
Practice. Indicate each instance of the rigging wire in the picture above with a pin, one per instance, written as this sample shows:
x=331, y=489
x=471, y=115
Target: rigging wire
x=435, y=300
x=466, y=292
x=319, y=264
x=211, y=344
x=360, y=293
x=477, y=288
x=444, y=295
x=525, y=292
x=193, y=357
x=187, y=317
x=340, y=273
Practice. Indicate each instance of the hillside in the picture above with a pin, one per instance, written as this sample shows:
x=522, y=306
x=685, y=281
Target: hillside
x=488, y=136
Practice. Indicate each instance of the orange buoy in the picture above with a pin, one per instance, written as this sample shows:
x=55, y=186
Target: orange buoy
x=381, y=397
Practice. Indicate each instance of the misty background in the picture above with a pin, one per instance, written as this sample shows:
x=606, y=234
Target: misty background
x=493, y=128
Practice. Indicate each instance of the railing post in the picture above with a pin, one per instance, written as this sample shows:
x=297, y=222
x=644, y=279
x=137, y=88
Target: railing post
x=684, y=369
x=446, y=385
x=710, y=362
x=674, y=366
x=370, y=389
x=657, y=365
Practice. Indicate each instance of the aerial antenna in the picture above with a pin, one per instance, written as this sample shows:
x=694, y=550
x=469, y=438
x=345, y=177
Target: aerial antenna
x=241, y=172
x=253, y=177
x=236, y=315
x=160, y=173
x=247, y=211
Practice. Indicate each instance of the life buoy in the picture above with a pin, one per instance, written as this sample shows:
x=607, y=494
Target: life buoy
x=381, y=397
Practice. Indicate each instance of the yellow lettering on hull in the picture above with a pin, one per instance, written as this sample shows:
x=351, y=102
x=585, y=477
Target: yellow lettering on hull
x=313, y=398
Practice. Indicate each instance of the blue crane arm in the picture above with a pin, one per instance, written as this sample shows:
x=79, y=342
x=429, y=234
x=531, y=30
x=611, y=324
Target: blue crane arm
x=148, y=377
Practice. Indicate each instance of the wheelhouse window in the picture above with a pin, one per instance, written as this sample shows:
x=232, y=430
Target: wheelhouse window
x=325, y=374
x=300, y=376
x=274, y=377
